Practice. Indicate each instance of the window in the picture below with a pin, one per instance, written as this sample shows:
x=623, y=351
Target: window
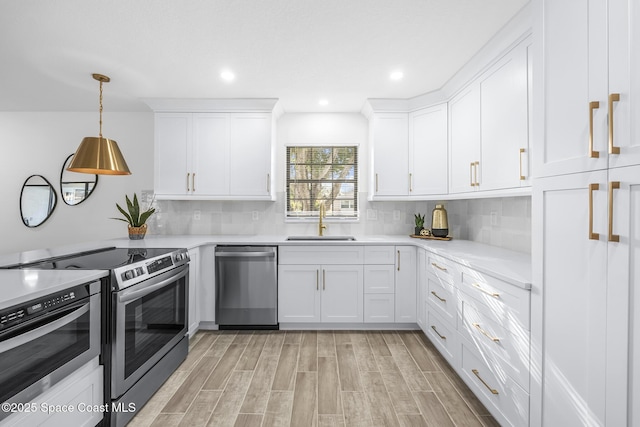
x=322, y=176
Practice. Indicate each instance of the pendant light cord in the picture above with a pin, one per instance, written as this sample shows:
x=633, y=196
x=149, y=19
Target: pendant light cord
x=101, y=109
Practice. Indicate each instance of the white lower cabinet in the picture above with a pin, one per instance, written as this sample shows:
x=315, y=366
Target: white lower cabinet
x=194, y=281
x=406, y=294
x=379, y=284
x=205, y=288
x=421, y=288
x=75, y=401
x=320, y=293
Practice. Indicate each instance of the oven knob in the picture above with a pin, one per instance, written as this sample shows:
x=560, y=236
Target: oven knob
x=129, y=275
x=139, y=271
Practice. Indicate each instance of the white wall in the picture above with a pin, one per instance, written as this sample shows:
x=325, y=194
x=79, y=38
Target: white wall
x=39, y=143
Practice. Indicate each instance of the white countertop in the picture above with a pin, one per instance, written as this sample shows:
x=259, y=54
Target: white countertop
x=19, y=286
x=512, y=267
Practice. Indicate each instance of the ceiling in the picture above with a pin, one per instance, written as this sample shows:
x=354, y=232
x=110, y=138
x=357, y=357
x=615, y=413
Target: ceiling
x=296, y=50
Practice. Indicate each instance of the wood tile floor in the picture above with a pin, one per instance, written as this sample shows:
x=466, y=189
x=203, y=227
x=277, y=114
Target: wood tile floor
x=313, y=378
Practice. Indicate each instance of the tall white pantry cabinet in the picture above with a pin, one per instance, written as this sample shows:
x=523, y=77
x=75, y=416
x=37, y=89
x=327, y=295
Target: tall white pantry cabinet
x=585, y=333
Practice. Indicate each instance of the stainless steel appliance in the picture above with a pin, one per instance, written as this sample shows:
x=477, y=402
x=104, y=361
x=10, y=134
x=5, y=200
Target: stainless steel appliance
x=145, y=320
x=246, y=287
x=44, y=340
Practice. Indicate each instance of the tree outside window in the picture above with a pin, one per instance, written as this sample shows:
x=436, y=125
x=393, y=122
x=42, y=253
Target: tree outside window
x=322, y=176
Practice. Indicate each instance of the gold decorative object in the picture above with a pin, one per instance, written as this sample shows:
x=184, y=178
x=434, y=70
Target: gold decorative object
x=425, y=232
x=98, y=155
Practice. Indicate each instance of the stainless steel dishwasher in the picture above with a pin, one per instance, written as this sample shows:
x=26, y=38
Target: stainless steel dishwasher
x=246, y=287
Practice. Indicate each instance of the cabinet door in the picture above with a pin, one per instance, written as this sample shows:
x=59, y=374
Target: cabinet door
x=299, y=293
x=206, y=287
x=573, y=74
x=504, y=122
x=390, y=154
x=421, y=281
x=406, y=284
x=342, y=293
x=569, y=301
x=464, y=130
x=210, y=153
x=623, y=299
x=428, y=151
x=250, y=154
x=172, y=155
x=194, y=283
x=624, y=79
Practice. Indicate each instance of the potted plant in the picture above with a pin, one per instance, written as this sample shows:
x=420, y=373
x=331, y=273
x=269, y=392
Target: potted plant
x=419, y=219
x=136, y=219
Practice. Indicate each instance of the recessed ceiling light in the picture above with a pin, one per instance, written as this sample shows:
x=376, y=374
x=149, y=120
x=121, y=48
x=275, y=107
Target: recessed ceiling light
x=323, y=102
x=396, y=75
x=227, y=76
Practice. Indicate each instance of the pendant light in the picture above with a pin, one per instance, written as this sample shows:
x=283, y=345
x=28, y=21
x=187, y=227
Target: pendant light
x=98, y=155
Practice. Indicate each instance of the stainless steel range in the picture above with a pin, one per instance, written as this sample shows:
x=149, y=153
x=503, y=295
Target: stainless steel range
x=145, y=323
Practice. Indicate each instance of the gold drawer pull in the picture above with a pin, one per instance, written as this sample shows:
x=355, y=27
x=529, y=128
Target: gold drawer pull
x=614, y=97
x=437, y=296
x=188, y=176
x=592, y=235
x=522, y=177
x=485, y=333
x=613, y=185
x=481, y=289
x=436, y=331
x=592, y=106
x=477, y=374
x=438, y=267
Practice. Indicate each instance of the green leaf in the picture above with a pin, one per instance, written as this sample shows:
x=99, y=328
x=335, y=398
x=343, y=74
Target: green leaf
x=146, y=215
x=126, y=215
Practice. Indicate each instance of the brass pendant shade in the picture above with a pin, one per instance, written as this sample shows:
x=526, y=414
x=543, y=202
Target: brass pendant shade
x=98, y=155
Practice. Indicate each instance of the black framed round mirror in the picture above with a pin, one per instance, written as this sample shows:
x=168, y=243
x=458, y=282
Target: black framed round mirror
x=75, y=187
x=37, y=201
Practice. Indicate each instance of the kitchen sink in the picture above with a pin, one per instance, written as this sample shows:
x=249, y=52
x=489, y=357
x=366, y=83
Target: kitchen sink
x=322, y=238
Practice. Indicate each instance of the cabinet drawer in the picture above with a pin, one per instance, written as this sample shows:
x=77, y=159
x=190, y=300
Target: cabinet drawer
x=379, y=279
x=506, y=401
x=442, y=298
x=442, y=268
x=320, y=255
x=379, y=308
x=379, y=255
x=505, y=303
x=443, y=336
x=496, y=343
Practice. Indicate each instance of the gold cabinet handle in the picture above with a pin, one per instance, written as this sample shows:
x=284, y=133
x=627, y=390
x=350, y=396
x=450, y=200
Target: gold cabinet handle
x=471, y=174
x=410, y=182
x=193, y=182
x=317, y=280
x=481, y=289
x=442, y=337
x=477, y=374
x=438, y=296
x=188, y=176
x=324, y=279
x=268, y=183
x=376, y=183
x=522, y=177
x=613, y=185
x=592, y=235
x=485, y=333
x=475, y=174
x=398, y=260
x=614, y=97
x=592, y=106
x=438, y=267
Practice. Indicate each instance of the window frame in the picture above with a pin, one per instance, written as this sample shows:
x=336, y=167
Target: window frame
x=315, y=215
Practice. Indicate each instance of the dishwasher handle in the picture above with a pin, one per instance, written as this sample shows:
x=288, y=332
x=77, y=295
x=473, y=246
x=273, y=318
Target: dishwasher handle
x=246, y=254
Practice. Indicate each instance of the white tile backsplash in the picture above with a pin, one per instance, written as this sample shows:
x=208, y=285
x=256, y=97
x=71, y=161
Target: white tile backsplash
x=468, y=219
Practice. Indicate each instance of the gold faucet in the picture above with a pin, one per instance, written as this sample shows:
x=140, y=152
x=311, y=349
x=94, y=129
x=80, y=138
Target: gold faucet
x=321, y=226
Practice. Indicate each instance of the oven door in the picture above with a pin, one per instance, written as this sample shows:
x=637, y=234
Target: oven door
x=150, y=318
x=35, y=356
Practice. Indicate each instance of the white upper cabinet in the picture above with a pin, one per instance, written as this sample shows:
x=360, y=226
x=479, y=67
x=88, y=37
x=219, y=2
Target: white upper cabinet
x=465, y=140
x=489, y=128
x=214, y=155
x=590, y=86
x=428, y=151
x=390, y=154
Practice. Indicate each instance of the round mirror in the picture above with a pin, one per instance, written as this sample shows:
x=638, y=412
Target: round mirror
x=76, y=187
x=37, y=201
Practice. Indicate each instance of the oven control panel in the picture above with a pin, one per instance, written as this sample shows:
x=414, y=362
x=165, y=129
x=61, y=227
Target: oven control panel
x=17, y=314
x=138, y=272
